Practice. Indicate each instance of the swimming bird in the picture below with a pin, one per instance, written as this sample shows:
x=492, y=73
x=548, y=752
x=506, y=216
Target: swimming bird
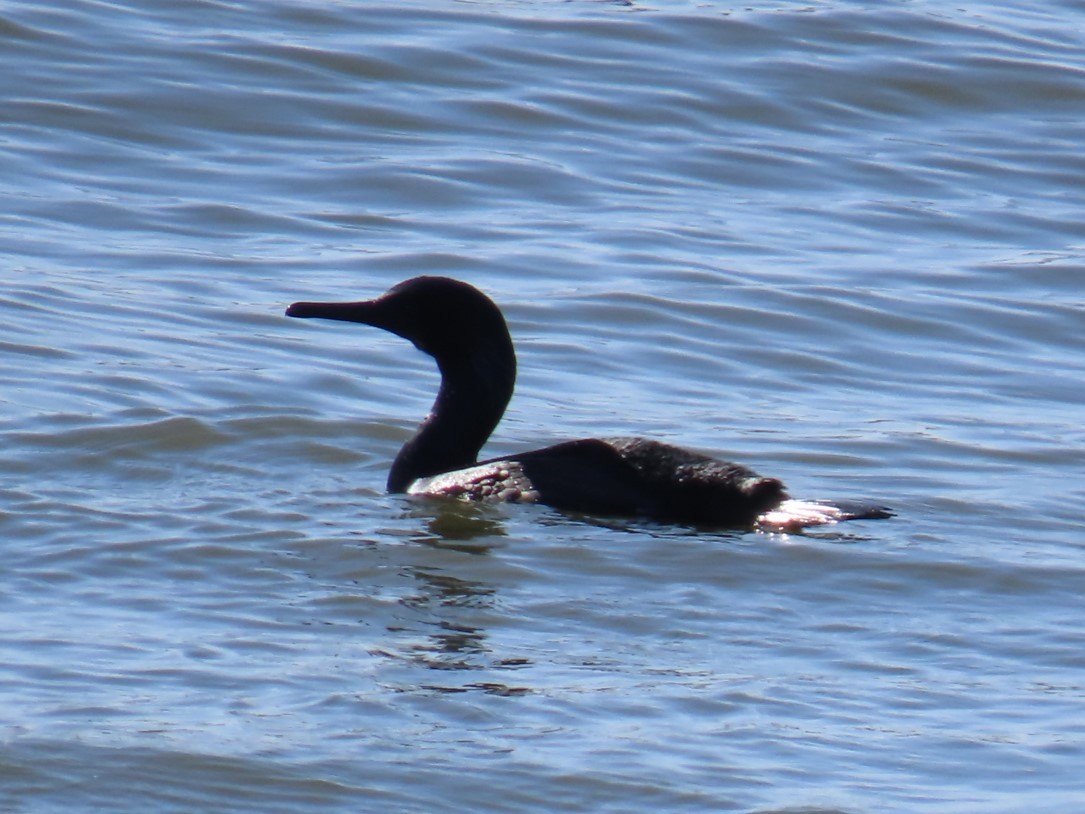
x=465, y=332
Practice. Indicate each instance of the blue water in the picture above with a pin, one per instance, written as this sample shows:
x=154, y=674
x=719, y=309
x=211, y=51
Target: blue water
x=841, y=243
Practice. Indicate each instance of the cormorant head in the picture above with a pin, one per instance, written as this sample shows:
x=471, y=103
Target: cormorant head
x=450, y=320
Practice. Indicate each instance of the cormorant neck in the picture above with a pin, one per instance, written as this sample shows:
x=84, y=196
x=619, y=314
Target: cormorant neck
x=475, y=389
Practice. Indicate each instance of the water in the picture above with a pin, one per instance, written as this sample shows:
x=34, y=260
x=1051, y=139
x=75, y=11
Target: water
x=839, y=242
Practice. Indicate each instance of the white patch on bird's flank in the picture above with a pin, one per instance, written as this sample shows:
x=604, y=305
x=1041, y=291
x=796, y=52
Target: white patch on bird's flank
x=794, y=515
x=494, y=482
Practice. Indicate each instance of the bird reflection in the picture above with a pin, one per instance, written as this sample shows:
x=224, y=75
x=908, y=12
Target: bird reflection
x=473, y=528
x=449, y=608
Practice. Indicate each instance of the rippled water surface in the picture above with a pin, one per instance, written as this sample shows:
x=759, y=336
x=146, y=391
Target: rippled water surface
x=839, y=242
